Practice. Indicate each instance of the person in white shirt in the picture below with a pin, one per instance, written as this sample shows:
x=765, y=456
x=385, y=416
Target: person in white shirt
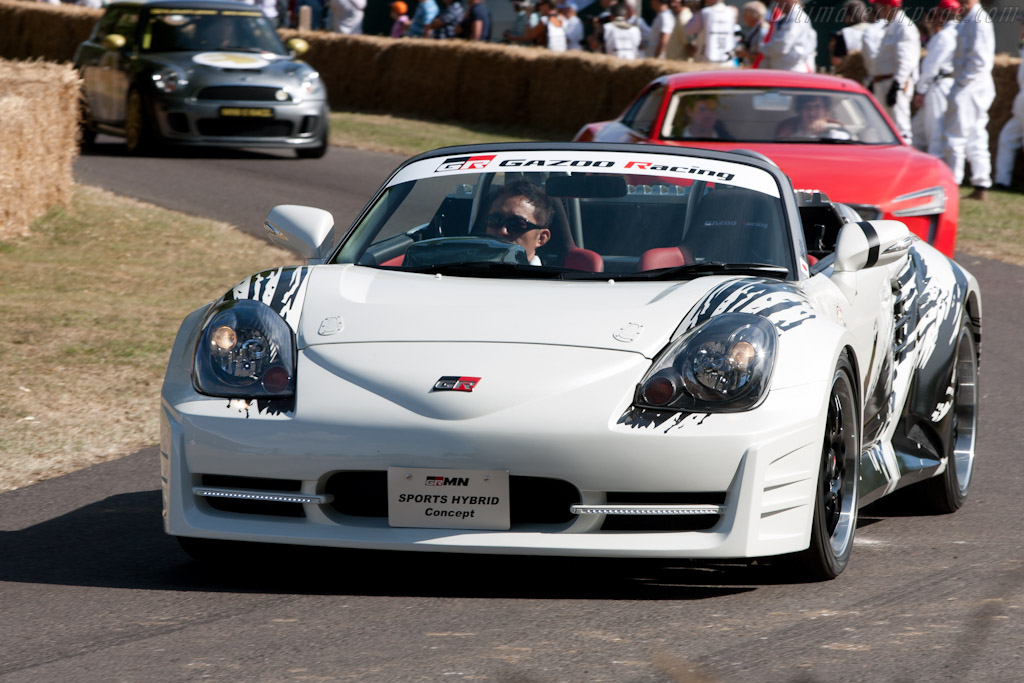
x=679, y=43
x=896, y=65
x=1011, y=137
x=791, y=43
x=714, y=33
x=661, y=28
x=753, y=29
x=870, y=42
x=936, y=79
x=850, y=38
x=573, y=25
x=966, y=123
x=621, y=38
x=347, y=16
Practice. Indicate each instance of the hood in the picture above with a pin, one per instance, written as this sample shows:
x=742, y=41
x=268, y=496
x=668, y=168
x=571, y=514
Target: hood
x=851, y=174
x=226, y=67
x=353, y=304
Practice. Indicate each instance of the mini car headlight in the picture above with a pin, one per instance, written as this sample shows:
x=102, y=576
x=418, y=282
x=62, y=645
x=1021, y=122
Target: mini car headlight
x=310, y=83
x=246, y=350
x=724, y=365
x=169, y=79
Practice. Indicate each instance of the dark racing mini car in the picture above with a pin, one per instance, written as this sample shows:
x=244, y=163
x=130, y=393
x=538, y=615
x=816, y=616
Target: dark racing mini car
x=199, y=73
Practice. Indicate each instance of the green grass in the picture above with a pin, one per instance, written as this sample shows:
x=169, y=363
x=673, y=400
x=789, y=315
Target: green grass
x=90, y=305
x=992, y=228
x=408, y=137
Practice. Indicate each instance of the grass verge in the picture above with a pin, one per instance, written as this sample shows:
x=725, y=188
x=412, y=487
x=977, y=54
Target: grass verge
x=90, y=305
x=408, y=137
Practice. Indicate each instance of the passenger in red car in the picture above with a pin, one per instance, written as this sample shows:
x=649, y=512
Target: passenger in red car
x=702, y=114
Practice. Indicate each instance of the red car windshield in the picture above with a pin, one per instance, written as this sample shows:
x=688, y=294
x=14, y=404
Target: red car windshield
x=783, y=115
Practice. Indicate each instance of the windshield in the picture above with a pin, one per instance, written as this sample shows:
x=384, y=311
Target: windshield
x=596, y=214
x=199, y=30
x=784, y=115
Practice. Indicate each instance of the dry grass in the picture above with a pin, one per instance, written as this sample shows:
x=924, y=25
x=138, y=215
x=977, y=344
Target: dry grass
x=991, y=229
x=90, y=305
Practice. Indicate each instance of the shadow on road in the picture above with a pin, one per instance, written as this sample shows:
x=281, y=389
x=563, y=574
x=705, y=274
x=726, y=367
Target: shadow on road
x=119, y=542
x=112, y=147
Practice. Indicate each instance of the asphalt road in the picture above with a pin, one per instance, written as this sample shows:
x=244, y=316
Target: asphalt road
x=91, y=589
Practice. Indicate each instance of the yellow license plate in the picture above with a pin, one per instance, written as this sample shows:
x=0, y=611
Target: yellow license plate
x=248, y=112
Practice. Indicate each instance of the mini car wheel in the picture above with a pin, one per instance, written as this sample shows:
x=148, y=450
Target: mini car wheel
x=313, y=152
x=947, y=492
x=138, y=134
x=835, y=506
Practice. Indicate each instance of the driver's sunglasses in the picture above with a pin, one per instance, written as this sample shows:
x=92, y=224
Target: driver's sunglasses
x=512, y=223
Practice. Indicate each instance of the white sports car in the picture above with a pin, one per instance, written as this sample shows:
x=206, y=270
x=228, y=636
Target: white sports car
x=576, y=349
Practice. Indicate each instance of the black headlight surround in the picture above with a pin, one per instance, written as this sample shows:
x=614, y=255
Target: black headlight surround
x=247, y=351
x=724, y=365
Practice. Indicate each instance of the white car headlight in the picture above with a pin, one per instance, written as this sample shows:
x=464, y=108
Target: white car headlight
x=926, y=202
x=246, y=350
x=723, y=365
x=169, y=79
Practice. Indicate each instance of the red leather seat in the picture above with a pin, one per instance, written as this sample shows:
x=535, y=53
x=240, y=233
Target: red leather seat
x=664, y=257
x=584, y=259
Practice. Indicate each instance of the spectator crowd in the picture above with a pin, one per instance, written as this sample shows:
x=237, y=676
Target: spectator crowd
x=939, y=101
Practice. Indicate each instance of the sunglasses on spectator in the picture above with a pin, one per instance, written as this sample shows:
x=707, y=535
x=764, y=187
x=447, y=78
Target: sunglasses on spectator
x=512, y=223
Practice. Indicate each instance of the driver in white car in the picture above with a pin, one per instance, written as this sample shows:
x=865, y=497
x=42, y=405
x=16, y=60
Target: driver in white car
x=521, y=213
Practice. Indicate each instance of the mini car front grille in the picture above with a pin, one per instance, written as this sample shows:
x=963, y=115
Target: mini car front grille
x=240, y=93
x=244, y=128
x=533, y=500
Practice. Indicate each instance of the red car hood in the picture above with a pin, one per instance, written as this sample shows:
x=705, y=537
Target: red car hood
x=852, y=174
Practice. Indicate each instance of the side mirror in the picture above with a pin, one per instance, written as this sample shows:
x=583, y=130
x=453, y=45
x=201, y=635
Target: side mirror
x=300, y=229
x=297, y=46
x=114, y=42
x=871, y=243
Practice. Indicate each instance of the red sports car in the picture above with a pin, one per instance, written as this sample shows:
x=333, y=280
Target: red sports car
x=826, y=133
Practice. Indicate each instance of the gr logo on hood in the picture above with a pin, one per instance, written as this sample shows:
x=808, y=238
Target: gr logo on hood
x=455, y=383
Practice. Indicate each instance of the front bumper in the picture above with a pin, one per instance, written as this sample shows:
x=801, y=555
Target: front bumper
x=758, y=468
x=191, y=121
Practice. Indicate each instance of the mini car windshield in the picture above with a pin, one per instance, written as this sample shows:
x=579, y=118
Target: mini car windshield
x=202, y=30
x=783, y=115
x=575, y=215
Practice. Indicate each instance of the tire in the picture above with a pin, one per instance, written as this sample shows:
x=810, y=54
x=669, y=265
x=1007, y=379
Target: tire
x=313, y=152
x=87, y=137
x=947, y=492
x=834, y=519
x=138, y=129
x=321, y=149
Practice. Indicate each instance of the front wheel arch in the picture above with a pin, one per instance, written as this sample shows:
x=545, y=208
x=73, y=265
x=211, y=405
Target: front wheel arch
x=836, y=500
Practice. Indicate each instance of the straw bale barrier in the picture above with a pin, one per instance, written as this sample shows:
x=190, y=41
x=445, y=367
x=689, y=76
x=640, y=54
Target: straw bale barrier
x=39, y=111
x=39, y=30
x=442, y=80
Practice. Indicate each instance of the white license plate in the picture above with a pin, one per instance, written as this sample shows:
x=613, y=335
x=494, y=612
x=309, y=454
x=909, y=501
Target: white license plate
x=448, y=499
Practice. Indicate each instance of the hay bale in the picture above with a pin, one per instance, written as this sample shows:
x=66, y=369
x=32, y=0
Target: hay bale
x=39, y=30
x=494, y=83
x=421, y=79
x=38, y=141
